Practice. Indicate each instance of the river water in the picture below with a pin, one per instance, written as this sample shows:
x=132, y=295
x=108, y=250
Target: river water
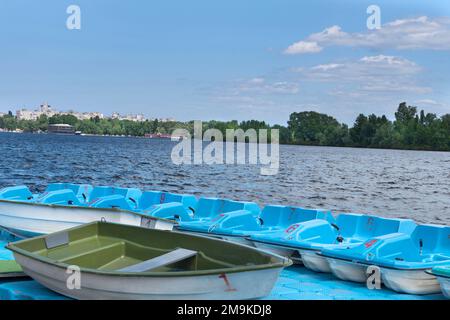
x=392, y=183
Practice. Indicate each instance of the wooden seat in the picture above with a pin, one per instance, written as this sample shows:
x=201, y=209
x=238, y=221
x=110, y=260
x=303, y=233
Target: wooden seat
x=160, y=261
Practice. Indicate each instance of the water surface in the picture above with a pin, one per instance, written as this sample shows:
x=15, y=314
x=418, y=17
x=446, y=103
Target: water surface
x=393, y=183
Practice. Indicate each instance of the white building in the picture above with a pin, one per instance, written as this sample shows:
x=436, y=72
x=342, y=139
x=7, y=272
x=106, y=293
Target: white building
x=131, y=117
x=85, y=115
x=166, y=120
x=115, y=115
x=44, y=109
x=25, y=114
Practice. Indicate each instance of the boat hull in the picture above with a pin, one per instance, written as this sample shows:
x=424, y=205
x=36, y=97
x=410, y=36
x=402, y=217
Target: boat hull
x=315, y=262
x=27, y=220
x=410, y=281
x=229, y=286
x=290, y=253
x=240, y=240
x=444, y=282
x=348, y=270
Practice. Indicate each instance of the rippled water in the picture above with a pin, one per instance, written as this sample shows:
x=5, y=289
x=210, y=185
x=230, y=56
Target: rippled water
x=392, y=183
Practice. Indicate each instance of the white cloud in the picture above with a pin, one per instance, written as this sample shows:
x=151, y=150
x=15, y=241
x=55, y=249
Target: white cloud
x=257, y=80
x=377, y=73
x=433, y=105
x=261, y=86
x=413, y=33
x=392, y=86
x=326, y=67
x=303, y=47
x=428, y=102
x=389, y=60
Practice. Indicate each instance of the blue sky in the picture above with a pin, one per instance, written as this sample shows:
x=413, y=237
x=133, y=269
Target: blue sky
x=225, y=60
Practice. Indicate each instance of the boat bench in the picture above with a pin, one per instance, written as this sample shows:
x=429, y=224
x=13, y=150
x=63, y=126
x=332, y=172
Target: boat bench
x=161, y=261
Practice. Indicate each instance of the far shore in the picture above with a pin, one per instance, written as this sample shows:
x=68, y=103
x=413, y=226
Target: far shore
x=156, y=138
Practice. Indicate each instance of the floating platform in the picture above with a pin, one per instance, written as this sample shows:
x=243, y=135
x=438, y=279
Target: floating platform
x=295, y=283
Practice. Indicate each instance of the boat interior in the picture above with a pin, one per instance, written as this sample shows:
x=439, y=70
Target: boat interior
x=125, y=249
x=349, y=228
x=358, y=227
x=271, y=218
x=427, y=244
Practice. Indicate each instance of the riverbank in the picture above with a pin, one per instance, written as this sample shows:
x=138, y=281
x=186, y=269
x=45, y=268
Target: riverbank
x=411, y=129
x=285, y=143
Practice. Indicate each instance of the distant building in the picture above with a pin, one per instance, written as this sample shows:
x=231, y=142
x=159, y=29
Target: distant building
x=166, y=120
x=115, y=116
x=94, y=115
x=162, y=119
x=26, y=115
x=130, y=117
x=61, y=128
x=47, y=110
x=44, y=109
x=85, y=115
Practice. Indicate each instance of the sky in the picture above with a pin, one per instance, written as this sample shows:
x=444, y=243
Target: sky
x=226, y=60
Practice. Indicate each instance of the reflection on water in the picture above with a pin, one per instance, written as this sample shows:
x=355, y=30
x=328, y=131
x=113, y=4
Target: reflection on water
x=412, y=184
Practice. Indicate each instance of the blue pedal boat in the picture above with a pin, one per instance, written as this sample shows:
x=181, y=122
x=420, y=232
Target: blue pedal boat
x=302, y=241
x=151, y=203
x=239, y=225
x=167, y=205
x=80, y=196
x=211, y=210
x=404, y=259
x=113, y=197
x=65, y=205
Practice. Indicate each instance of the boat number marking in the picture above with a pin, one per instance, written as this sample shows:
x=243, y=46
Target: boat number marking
x=292, y=228
x=370, y=243
x=227, y=282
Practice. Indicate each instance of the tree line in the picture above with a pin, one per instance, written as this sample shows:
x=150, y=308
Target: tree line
x=411, y=129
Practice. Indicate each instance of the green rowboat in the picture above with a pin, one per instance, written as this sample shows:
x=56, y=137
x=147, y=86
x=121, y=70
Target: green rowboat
x=103, y=260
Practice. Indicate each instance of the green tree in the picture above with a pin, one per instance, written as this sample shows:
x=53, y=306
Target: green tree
x=311, y=127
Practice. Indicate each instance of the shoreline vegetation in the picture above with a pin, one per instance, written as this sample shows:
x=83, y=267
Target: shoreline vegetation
x=411, y=130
